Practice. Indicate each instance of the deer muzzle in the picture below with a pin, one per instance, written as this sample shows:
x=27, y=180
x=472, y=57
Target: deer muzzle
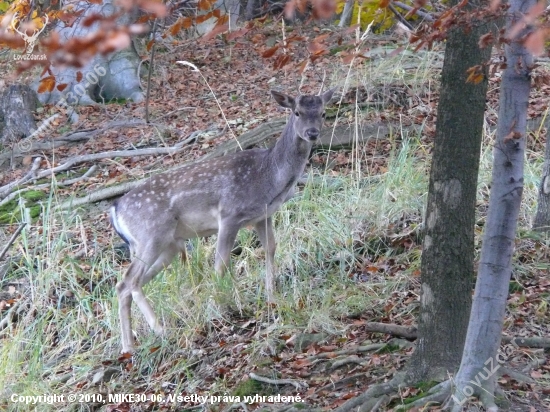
x=312, y=134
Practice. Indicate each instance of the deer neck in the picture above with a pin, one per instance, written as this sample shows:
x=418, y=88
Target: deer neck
x=289, y=156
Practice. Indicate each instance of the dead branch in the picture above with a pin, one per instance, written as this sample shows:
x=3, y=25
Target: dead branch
x=26, y=147
x=66, y=182
x=102, y=194
x=424, y=14
x=347, y=352
x=533, y=342
x=98, y=156
x=109, y=155
x=399, y=17
x=517, y=376
x=12, y=239
x=28, y=176
x=298, y=385
x=338, y=363
x=537, y=363
x=407, y=332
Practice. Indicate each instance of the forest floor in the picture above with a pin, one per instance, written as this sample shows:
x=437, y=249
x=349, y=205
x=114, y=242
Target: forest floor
x=321, y=349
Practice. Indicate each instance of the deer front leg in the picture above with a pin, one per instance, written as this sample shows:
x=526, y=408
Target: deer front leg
x=264, y=229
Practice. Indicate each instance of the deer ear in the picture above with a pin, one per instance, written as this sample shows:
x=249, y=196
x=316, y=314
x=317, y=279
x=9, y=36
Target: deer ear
x=328, y=95
x=283, y=99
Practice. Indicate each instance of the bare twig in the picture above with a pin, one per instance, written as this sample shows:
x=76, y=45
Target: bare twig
x=425, y=15
x=151, y=64
x=7, y=318
x=12, y=239
x=399, y=17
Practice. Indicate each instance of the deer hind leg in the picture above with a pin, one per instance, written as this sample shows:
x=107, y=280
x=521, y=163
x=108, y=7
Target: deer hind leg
x=131, y=288
x=264, y=229
x=124, y=292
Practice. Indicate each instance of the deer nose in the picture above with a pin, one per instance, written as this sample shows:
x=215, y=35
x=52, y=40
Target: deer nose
x=313, y=134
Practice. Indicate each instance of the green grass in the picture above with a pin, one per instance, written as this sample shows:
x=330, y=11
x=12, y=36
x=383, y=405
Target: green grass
x=71, y=326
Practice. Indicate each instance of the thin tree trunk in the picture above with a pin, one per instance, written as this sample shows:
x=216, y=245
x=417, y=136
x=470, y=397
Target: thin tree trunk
x=448, y=250
x=345, y=18
x=542, y=217
x=481, y=357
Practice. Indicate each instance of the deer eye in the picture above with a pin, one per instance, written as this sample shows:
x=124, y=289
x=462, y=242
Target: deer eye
x=323, y=115
x=296, y=114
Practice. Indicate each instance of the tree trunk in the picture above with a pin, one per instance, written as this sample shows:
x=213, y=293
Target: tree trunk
x=345, y=18
x=17, y=103
x=480, y=360
x=251, y=9
x=448, y=250
x=542, y=217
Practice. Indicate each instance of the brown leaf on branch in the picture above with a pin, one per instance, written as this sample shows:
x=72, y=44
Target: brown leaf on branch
x=116, y=41
x=535, y=41
x=177, y=26
x=486, y=40
x=475, y=74
x=47, y=84
x=222, y=28
x=203, y=17
x=512, y=136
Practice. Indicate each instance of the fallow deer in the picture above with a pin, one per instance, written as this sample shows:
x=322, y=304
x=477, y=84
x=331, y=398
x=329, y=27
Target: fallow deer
x=217, y=196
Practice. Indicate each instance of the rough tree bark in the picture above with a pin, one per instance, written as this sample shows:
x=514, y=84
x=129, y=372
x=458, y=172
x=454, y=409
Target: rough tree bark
x=477, y=373
x=17, y=103
x=541, y=222
x=104, y=77
x=448, y=250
